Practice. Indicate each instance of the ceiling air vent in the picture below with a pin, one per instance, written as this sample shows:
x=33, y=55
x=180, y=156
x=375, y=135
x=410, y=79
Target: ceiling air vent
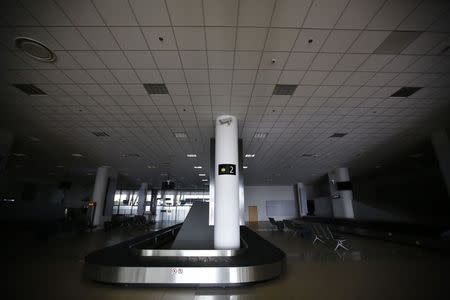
x=180, y=135
x=30, y=89
x=337, y=135
x=156, y=88
x=405, y=91
x=284, y=89
x=260, y=135
x=100, y=133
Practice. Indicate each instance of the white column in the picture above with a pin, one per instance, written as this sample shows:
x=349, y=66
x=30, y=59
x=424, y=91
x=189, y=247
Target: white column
x=302, y=200
x=341, y=200
x=142, y=196
x=226, y=210
x=99, y=194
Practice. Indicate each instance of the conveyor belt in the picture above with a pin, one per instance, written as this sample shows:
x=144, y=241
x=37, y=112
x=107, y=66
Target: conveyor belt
x=119, y=264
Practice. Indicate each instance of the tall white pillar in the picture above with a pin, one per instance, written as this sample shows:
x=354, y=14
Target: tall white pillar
x=99, y=194
x=142, y=196
x=226, y=200
x=302, y=200
x=341, y=193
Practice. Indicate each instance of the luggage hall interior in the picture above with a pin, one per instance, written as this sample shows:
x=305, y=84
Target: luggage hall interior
x=225, y=149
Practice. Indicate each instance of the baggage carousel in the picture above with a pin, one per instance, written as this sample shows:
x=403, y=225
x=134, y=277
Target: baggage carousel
x=160, y=259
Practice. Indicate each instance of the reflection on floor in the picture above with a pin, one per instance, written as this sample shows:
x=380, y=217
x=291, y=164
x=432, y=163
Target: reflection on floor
x=372, y=269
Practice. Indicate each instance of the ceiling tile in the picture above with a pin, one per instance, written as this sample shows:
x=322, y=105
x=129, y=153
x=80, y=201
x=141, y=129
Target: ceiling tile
x=339, y=40
x=114, y=59
x=46, y=12
x=190, y=38
x=79, y=76
x=153, y=35
x=150, y=12
x=399, y=63
x=324, y=14
x=255, y=12
x=220, y=13
x=273, y=60
x=381, y=79
x=56, y=76
x=442, y=24
x=423, y=64
x=221, y=76
x=424, y=15
x=81, y=12
x=220, y=59
x=194, y=59
x=392, y=13
x=267, y=76
x=290, y=13
x=140, y=59
x=220, y=38
x=185, y=13
x=350, y=62
x=199, y=89
x=115, y=12
x=126, y=76
x=251, y=38
x=16, y=14
x=129, y=38
x=177, y=89
x=244, y=76
x=358, y=13
x=325, y=61
x=359, y=78
x=375, y=62
x=280, y=39
x=87, y=59
x=314, y=77
x=197, y=76
x=368, y=41
x=310, y=40
x=69, y=38
x=305, y=90
x=102, y=76
x=173, y=76
x=167, y=59
x=149, y=76
x=336, y=78
x=99, y=38
x=246, y=60
x=299, y=61
x=241, y=89
x=424, y=43
x=290, y=77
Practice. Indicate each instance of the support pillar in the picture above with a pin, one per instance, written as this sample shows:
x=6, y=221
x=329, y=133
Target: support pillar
x=142, y=196
x=302, y=200
x=441, y=145
x=341, y=193
x=226, y=206
x=104, y=190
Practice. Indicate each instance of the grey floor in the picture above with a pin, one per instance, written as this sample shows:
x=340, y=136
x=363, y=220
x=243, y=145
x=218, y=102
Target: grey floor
x=372, y=269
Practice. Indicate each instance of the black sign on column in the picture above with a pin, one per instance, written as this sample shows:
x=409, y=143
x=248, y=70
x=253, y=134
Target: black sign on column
x=227, y=169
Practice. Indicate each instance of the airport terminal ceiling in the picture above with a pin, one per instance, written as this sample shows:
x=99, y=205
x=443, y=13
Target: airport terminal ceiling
x=360, y=81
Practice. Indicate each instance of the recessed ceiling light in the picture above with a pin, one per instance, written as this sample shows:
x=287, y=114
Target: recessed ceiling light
x=202, y=174
x=260, y=135
x=77, y=155
x=191, y=155
x=248, y=155
x=197, y=167
x=180, y=135
x=35, y=49
x=205, y=180
x=19, y=154
x=245, y=167
x=151, y=167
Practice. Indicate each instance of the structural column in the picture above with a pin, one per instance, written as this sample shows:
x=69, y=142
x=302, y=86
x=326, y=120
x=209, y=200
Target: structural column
x=341, y=193
x=441, y=145
x=142, y=196
x=226, y=200
x=102, y=191
x=302, y=200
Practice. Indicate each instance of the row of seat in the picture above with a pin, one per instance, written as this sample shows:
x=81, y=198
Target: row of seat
x=319, y=232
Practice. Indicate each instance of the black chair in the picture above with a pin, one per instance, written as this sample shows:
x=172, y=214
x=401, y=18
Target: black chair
x=278, y=224
x=323, y=234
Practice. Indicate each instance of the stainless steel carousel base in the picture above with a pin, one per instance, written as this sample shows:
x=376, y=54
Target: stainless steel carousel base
x=127, y=264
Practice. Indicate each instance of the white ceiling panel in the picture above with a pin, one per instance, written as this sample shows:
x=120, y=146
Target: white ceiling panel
x=220, y=59
x=256, y=13
x=129, y=38
x=250, y=38
x=358, y=13
x=99, y=38
x=368, y=41
x=281, y=39
x=46, y=12
x=190, y=38
x=324, y=14
x=220, y=38
x=392, y=14
x=220, y=13
x=185, y=13
x=140, y=59
x=81, y=12
x=150, y=12
x=114, y=59
x=115, y=12
x=339, y=41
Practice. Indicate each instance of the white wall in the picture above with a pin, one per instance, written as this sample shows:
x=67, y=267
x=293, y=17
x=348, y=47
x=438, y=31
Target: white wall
x=258, y=195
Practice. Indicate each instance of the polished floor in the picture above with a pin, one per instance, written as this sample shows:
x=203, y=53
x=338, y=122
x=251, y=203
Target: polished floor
x=51, y=269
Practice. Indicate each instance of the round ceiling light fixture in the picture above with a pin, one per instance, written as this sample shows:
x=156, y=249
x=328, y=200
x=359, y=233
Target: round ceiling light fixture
x=35, y=49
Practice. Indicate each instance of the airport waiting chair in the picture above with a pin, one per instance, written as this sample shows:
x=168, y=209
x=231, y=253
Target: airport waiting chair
x=317, y=234
x=328, y=235
x=295, y=228
x=278, y=224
